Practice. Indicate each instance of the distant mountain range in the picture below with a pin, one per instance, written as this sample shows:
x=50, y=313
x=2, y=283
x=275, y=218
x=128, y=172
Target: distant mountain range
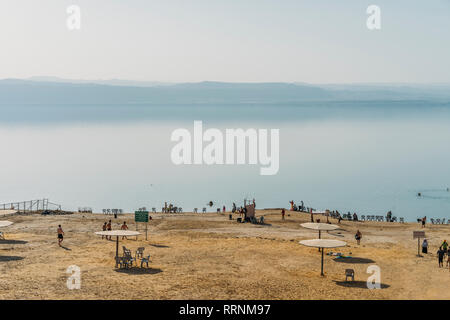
x=51, y=90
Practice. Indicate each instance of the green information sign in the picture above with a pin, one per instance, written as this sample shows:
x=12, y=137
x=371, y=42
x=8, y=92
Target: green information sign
x=141, y=216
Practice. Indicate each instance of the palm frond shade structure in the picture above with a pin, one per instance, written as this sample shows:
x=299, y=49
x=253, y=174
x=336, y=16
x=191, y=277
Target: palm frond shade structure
x=323, y=243
x=117, y=234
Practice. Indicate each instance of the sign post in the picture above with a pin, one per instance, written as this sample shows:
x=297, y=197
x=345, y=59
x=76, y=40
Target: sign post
x=418, y=235
x=141, y=216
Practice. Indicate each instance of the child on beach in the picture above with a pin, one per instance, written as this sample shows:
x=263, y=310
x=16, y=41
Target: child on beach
x=60, y=235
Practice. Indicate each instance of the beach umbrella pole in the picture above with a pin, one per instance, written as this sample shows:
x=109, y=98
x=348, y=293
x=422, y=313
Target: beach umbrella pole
x=319, y=238
x=117, y=246
x=321, y=271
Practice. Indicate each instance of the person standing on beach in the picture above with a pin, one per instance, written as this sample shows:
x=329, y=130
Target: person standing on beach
x=124, y=227
x=282, y=214
x=440, y=254
x=425, y=246
x=444, y=246
x=109, y=228
x=104, y=229
x=424, y=220
x=358, y=236
x=60, y=235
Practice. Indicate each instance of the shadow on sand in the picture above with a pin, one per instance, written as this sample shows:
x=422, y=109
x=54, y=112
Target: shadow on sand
x=353, y=260
x=65, y=248
x=136, y=270
x=159, y=246
x=10, y=258
x=357, y=284
x=13, y=242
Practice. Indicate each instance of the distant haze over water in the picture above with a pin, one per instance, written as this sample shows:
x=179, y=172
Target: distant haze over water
x=364, y=151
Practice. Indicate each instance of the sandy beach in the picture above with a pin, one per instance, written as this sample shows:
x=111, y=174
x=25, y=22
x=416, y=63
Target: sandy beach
x=207, y=256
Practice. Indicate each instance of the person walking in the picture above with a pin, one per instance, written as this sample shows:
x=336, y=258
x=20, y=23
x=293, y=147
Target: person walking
x=358, y=236
x=282, y=214
x=60, y=235
x=424, y=220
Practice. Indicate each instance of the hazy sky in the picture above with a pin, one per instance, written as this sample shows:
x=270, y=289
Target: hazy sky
x=228, y=40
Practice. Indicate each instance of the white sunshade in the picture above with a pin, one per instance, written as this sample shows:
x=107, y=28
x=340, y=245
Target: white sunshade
x=118, y=233
x=5, y=223
x=319, y=226
x=323, y=243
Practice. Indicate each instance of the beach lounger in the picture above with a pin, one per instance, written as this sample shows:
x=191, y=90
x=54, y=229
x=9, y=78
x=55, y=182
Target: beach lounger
x=195, y=210
x=349, y=273
x=443, y=221
x=432, y=221
x=104, y=211
x=363, y=218
x=438, y=221
x=402, y=220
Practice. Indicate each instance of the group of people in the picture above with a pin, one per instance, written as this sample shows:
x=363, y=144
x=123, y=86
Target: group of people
x=443, y=251
x=108, y=227
x=294, y=206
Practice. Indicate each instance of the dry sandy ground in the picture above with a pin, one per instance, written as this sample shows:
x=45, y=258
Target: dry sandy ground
x=206, y=256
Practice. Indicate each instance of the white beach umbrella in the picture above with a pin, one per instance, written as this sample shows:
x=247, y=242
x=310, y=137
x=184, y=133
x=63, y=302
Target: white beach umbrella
x=319, y=226
x=117, y=234
x=323, y=243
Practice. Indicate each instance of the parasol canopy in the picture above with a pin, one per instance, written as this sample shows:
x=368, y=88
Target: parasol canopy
x=319, y=226
x=323, y=243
